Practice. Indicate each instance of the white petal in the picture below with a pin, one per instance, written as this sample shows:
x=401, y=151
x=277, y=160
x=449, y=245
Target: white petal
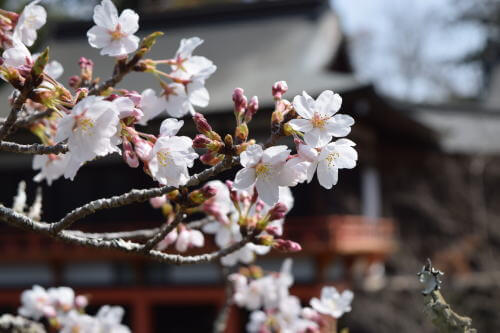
x=170, y=127
x=244, y=178
x=106, y=15
x=198, y=94
x=268, y=190
x=317, y=138
x=328, y=103
x=98, y=37
x=251, y=156
x=187, y=46
x=302, y=105
x=129, y=21
x=302, y=125
x=276, y=154
x=327, y=176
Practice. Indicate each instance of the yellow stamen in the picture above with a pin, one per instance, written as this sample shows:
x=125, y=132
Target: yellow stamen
x=162, y=158
x=331, y=158
x=318, y=121
x=262, y=170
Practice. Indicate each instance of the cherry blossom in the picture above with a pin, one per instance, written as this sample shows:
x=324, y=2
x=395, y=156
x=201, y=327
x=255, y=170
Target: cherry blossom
x=193, y=71
x=89, y=129
x=32, y=18
x=319, y=120
x=332, y=303
x=332, y=157
x=262, y=168
x=35, y=303
x=114, y=34
x=171, y=156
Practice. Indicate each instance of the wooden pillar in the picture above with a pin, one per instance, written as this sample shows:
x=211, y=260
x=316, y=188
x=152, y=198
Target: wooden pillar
x=141, y=316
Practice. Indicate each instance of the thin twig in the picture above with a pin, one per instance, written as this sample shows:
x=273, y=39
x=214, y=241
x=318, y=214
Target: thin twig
x=164, y=230
x=16, y=108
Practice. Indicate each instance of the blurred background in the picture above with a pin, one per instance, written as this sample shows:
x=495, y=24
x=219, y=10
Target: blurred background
x=422, y=80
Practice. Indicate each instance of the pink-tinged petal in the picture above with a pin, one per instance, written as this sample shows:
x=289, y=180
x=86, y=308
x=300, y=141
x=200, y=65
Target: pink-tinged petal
x=328, y=103
x=170, y=126
x=72, y=168
x=98, y=37
x=129, y=21
x=106, y=15
x=16, y=56
x=198, y=94
x=275, y=155
x=251, y=156
x=244, y=178
x=302, y=105
x=268, y=190
x=302, y=125
x=327, y=176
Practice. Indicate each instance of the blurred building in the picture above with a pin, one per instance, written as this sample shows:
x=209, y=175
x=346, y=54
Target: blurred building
x=345, y=233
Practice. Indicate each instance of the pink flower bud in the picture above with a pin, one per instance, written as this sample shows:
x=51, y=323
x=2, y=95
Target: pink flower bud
x=209, y=191
x=278, y=89
x=85, y=63
x=131, y=159
x=201, y=123
x=201, y=141
x=286, y=245
x=278, y=211
x=81, y=301
x=157, y=202
x=273, y=230
x=253, y=106
x=74, y=81
x=240, y=101
x=143, y=148
x=259, y=206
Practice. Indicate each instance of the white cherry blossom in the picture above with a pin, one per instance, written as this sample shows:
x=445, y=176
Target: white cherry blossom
x=332, y=303
x=109, y=318
x=319, y=121
x=171, y=158
x=334, y=156
x=35, y=303
x=114, y=34
x=62, y=298
x=32, y=18
x=262, y=168
x=89, y=129
x=180, y=98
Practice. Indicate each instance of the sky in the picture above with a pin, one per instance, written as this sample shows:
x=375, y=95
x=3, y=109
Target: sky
x=410, y=48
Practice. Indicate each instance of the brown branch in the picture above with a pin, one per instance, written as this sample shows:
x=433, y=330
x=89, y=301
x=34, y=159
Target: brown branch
x=21, y=221
x=137, y=196
x=29, y=85
x=34, y=148
x=165, y=229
